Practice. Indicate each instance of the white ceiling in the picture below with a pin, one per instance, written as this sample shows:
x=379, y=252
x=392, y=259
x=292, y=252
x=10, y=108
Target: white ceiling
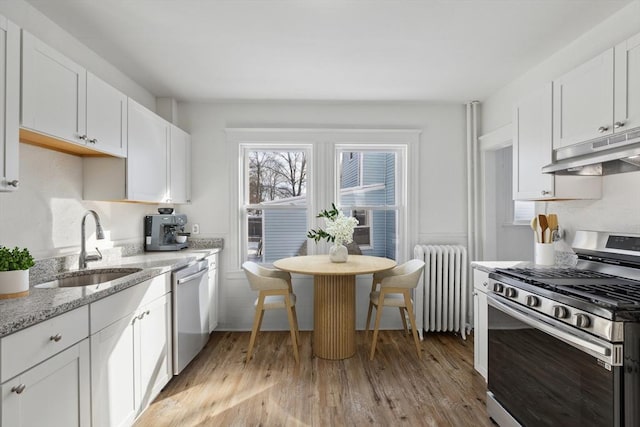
x=438, y=50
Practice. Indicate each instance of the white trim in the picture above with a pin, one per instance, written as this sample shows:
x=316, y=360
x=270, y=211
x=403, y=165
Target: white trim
x=497, y=138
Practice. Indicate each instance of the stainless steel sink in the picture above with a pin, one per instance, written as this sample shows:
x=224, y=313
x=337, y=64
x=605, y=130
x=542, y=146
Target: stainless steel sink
x=87, y=277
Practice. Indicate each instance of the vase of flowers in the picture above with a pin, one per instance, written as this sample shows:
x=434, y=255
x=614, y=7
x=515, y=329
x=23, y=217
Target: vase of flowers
x=339, y=230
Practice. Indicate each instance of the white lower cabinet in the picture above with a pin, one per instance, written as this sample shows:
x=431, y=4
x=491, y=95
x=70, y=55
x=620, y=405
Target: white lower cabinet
x=480, y=322
x=131, y=357
x=213, y=292
x=44, y=373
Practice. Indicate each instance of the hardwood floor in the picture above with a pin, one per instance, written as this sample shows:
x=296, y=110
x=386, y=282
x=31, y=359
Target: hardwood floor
x=396, y=388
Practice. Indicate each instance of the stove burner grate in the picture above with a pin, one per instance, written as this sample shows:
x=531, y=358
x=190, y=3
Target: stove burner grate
x=620, y=296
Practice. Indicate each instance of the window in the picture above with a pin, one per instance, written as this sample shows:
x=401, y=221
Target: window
x=523, y=211
x=286, y=176
x=274, y=201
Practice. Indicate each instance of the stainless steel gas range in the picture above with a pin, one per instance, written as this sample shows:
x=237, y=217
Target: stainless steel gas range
x=564, y=343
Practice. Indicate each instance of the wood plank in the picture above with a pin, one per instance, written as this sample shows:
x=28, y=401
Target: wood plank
x=218, y=388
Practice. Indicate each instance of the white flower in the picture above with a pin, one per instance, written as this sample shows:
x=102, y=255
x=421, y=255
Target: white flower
x=341, y=228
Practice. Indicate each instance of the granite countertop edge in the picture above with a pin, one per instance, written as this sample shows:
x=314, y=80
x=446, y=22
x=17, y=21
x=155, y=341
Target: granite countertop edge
x=42, y=304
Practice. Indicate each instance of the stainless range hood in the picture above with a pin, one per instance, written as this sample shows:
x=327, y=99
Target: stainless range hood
x=609, y=155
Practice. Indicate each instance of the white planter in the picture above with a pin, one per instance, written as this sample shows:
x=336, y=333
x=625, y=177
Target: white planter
x=338, y=253
x=14, y=283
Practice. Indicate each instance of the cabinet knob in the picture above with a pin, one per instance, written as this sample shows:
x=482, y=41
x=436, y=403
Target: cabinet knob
x=55, y=338
x=18, y=389
x=13, y=183
x=82, y=137
x=93, y=140
x=603, y=129
x=618, y=125
x=546, y=192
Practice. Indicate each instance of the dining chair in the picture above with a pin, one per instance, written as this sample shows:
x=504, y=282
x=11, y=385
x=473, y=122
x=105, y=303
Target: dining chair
x=395, y=287
x=274, y=292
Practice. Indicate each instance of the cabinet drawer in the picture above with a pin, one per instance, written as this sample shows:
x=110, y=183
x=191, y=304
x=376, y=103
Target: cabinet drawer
x=213, y=261
x=480, y=280
x=30, y=346
x=113, y=308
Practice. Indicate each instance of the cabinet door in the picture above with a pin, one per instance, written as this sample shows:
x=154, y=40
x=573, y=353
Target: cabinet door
x=112, y=374
x=147, y=155
x=9, y=103
x=153, y=347
x=179, y=166
x=53, y=92
x=53, y=393
x=583, y=102
x=480, y=323
x=532, y=145
x=213, y=292
x=627, y=84
x=106, y=117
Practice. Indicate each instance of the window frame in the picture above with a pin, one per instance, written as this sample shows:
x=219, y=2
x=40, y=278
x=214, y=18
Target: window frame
x=322, y=157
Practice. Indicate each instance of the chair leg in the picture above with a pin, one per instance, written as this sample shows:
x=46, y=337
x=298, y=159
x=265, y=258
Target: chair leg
x=257, y=320
x=407, y=301
x=366, y=330
x=295, y=319
x=376, y=326
x=292, y=327
x=404, y=321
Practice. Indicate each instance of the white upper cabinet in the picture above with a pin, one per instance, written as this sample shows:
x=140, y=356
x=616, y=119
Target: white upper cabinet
x=9, y=103
x=147, y=159
x=106, y=117
x=532, y=149
x=53, y=92
x=65, y=107
x=179, y=166
x=627, y=84
x=583, y=102
x=532, y=145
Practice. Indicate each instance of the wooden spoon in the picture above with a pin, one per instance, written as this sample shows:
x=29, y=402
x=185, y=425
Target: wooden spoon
x=544, y=226
x=534, y=227
x=552, y=220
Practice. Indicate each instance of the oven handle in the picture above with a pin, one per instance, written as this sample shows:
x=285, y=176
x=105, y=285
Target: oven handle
x=600, y=351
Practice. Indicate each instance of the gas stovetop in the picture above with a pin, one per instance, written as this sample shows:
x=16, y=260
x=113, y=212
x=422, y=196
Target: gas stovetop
x=604, y=290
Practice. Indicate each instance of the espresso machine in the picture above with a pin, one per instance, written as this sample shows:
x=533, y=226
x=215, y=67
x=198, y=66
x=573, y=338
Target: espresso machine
x=161, y=231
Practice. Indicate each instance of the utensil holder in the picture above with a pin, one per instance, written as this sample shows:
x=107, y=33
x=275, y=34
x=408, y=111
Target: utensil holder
x=544, y=254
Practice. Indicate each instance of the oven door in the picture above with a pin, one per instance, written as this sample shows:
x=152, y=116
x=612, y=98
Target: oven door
x=545, y=373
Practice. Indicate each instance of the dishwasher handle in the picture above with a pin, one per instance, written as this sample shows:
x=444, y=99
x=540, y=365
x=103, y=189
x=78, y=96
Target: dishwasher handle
x=192, y=277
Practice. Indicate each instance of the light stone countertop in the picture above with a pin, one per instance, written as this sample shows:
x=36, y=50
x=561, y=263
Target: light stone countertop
x=44, y=303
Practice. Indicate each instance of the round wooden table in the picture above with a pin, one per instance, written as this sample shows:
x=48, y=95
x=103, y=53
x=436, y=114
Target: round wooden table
x=334, y=298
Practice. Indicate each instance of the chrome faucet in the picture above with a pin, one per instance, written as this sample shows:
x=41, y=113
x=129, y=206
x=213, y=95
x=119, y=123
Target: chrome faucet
x=84, y=258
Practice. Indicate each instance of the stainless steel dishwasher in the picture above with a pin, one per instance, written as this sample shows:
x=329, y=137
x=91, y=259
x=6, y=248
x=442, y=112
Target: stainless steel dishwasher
x=190, y=313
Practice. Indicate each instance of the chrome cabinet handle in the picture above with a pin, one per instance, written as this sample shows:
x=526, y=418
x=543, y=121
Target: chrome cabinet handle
x=13, y=183
x=93, y=140
x=603, y=129
x=18, y=389
x=618, y=125
x=546, y=193
x=144, y=313
x=82, y=137
x=55, y=338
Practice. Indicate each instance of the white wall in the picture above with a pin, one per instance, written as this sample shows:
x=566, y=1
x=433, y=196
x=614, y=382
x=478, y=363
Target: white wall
x=619, y=208
x=442, y=187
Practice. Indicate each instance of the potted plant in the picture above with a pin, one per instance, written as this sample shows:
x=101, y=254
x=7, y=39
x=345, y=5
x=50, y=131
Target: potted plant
x=339, y=231
x=14, y=272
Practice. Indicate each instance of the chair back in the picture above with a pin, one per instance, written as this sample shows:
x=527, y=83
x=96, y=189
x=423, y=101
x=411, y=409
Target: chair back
x=264, y=279
x=406, y=275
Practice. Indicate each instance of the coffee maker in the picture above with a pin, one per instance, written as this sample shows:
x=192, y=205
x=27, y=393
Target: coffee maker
x=160, y=232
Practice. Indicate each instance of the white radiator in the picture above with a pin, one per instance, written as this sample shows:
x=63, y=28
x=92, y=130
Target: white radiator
x=442, y=294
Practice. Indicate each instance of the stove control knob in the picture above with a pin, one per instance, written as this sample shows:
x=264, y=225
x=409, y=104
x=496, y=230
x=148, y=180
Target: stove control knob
x=582, y=320
x=510, y=292
x=560, y=312
x=532, y=301
x=498, y=287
